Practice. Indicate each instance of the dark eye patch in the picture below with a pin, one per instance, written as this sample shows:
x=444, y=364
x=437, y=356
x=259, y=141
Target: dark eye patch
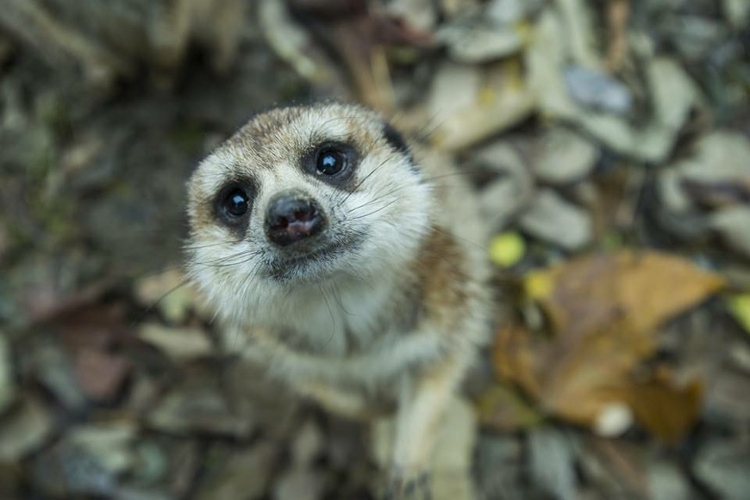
x=396, y=140
x=233, y=204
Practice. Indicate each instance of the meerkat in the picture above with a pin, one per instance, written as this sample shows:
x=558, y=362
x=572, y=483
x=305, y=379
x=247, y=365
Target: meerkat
x=353, y=262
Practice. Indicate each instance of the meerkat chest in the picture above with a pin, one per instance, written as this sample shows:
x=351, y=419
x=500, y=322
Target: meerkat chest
x=360, y=336
x=386, y=358
x=336, y=319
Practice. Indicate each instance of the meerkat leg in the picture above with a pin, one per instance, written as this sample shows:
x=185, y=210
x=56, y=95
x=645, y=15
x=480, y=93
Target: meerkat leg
x=335, y=400
x=422, y=404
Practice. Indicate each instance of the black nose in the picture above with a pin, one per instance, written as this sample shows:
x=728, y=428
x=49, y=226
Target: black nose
x=292, y=217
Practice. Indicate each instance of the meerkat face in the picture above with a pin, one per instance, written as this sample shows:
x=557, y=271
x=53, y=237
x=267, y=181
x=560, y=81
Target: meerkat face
x=300, y=195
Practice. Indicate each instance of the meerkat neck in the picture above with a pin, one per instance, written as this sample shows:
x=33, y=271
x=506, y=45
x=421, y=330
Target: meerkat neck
x=346, y=314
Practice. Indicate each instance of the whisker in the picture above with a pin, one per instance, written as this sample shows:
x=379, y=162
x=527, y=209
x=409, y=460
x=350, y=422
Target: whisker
x=379, y=196
x=368, y=214
x=364, y=179
x=337, y=297
x=149, y=309
x=191, y=246
x=244, y=255
x=330, y=311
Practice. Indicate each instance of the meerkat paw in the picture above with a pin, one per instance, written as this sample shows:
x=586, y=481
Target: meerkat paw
x=403, y=485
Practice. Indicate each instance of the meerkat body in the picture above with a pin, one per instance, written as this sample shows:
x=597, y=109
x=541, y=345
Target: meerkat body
x=353, y=263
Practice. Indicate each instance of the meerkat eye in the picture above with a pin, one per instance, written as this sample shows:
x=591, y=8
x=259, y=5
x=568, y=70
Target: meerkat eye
x=236, y=203
x=233, y=202
x=330, y=161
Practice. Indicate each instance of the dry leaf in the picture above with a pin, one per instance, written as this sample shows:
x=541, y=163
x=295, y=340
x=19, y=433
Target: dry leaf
x=358, y=35
x=178, y=343
x=647, y=287
x=24, y=430
x=515, y=359
x=100, y=374
x=664, y=409
x=618, y=13
x=604, y=311
x=502, y=409
x=739, y=307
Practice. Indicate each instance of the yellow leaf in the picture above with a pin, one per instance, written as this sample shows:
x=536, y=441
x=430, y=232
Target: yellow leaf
x=524, y=30
x=513, y=73
x=739, y=306
x=507, y=249
x=487, y=96
x=538, y=285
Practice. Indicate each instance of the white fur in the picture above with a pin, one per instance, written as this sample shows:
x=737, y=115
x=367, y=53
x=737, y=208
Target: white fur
x=393, y=207
x=329, y=325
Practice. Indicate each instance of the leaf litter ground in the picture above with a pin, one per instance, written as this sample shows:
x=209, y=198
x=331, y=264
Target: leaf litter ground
x=609, y=151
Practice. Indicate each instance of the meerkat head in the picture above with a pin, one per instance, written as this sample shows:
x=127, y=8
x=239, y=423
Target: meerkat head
x=301, y=195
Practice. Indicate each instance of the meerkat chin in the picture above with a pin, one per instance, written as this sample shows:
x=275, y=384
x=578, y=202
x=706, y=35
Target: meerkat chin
x=353, y=263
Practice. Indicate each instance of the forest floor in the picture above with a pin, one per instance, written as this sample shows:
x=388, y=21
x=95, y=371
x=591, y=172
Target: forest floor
x=609, y=145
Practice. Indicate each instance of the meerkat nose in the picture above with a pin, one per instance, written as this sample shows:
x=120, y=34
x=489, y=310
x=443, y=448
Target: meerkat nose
x=292, y=216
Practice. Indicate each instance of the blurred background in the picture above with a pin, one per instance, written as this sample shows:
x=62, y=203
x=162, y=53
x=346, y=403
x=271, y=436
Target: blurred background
x=608, y=141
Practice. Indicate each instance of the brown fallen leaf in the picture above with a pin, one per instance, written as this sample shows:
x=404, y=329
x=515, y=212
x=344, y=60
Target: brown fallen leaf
x=515, y=359
x=576, y=379
x=178, y=343
x=358, y=34
x=96, y=325
x=46, y=303
x=618, y=13
x=645, y=288
x=664, y=408
x=604, y=312
x=101, y=375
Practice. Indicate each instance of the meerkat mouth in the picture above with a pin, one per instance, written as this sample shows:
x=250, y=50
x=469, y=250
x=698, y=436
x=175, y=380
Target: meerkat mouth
x=309, y=263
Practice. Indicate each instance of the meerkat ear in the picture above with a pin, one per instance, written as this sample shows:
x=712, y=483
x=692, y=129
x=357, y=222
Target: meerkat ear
x=395, y=139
